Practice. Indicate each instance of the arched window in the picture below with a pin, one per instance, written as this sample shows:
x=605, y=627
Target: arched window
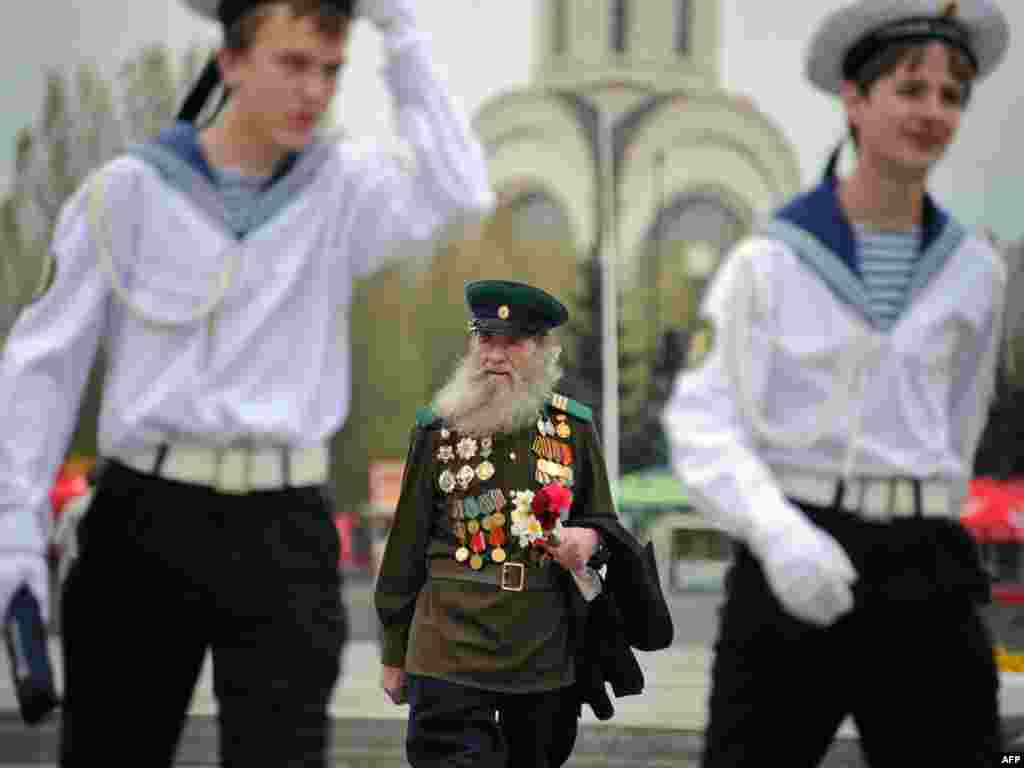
x=684, y=24
x=620, y=25
x=560, y=24
x=684, y=249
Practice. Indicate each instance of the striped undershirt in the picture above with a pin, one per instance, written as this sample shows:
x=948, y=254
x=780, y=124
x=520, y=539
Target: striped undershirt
x=240, y=193
x=888, y=261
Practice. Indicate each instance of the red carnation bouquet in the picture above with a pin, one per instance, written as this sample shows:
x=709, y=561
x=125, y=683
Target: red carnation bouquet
x=538, y=516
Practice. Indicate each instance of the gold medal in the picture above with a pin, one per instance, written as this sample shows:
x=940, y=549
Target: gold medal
x=446, y=481
x=476, y=562
x=563, y=430
x=462, y=554
x=472, y=526
x=498, y=519
x=485, y=471
x=498, y=555
x=486, y=523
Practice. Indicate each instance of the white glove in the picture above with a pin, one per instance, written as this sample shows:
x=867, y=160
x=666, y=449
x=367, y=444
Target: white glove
x=807, y=569
x=20, y=568
x=387, y=15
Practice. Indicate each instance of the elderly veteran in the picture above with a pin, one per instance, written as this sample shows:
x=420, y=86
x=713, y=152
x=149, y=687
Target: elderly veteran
x=214, y=265
x=830, y=416
x=482, y=589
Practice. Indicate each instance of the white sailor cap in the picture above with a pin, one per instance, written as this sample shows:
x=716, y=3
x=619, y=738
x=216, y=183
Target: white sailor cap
x=852, y=35
x=229, y=11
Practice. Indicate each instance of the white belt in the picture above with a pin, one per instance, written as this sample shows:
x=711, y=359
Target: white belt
x=237, y=469
x=870, y=497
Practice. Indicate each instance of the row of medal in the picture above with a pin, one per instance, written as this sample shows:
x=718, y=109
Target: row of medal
x=466, y=449
x=478, y=522
x=554, y=458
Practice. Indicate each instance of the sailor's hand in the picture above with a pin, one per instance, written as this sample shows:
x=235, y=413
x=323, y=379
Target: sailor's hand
x=387, y=15
x=392, y=680
x=574, y=549
x=808, y=570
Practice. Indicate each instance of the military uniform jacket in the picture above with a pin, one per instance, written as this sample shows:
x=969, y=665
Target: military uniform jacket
x=475, y=633
x=798, y=378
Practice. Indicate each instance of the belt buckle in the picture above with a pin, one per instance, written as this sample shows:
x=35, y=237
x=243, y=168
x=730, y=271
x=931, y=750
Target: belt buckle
x=506, y=580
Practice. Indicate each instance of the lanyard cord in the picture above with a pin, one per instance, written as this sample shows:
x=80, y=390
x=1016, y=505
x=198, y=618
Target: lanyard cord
x=101, y=236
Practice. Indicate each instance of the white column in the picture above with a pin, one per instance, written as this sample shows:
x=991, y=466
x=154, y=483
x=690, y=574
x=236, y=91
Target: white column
x=609, y=297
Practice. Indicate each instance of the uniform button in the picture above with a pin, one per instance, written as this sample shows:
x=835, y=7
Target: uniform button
x=512, y=455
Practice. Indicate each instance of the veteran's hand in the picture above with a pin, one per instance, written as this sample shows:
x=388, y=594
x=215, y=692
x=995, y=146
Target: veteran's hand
x=575, y=547
x=392, y=680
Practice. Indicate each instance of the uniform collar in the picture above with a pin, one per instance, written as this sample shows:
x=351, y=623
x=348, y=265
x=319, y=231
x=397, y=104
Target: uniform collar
x=815, y=227
x=819, y=213
x=182, y=139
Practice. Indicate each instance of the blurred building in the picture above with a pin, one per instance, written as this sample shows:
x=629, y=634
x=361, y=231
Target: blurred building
x=627, y=122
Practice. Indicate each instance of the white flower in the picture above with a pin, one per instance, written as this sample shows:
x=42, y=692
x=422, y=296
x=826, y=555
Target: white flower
x=521, y=504
x=528, y=529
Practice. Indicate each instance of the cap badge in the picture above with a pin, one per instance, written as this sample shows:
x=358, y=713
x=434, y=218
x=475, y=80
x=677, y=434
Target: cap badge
x=503, y=312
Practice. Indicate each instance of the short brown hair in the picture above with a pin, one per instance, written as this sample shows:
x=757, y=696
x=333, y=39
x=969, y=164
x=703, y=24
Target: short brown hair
x=912, y=53
x=331, y=20
x=891, y=58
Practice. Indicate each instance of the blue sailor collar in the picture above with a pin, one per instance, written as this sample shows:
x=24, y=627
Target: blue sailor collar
x=182, y=139
x=178, y=156
x=816, y=228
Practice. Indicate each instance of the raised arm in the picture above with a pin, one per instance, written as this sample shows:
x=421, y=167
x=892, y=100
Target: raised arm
x=403, y=208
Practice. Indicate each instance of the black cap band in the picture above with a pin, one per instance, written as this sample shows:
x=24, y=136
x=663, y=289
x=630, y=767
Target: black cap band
x=230, y=11
x=197, y=97
x=939, y=29
x=500, y=327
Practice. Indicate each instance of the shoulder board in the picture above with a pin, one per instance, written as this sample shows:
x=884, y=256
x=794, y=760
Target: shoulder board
x=426, y=417
x=570, y=406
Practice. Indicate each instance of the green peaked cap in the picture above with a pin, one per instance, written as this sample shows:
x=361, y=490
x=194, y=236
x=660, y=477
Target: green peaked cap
x=512, y=309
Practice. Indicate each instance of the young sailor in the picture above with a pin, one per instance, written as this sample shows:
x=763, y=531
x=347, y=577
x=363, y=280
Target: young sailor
x=831, y=425
x=215, y=267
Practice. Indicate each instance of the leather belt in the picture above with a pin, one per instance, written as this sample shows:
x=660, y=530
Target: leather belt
x=870, y=497
x=234, y=470
x=512, y=577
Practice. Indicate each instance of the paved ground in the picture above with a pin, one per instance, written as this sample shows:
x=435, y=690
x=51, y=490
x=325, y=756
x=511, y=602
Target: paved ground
x=658, y=729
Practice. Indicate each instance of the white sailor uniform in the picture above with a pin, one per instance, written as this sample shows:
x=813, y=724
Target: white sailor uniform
x=804, y=409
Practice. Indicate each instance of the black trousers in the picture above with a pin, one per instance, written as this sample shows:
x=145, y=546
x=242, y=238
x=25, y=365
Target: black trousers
x=457, y=726
x=912, y=662
x=168, y=571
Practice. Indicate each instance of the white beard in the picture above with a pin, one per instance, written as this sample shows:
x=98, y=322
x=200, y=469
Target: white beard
x=477, y=403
